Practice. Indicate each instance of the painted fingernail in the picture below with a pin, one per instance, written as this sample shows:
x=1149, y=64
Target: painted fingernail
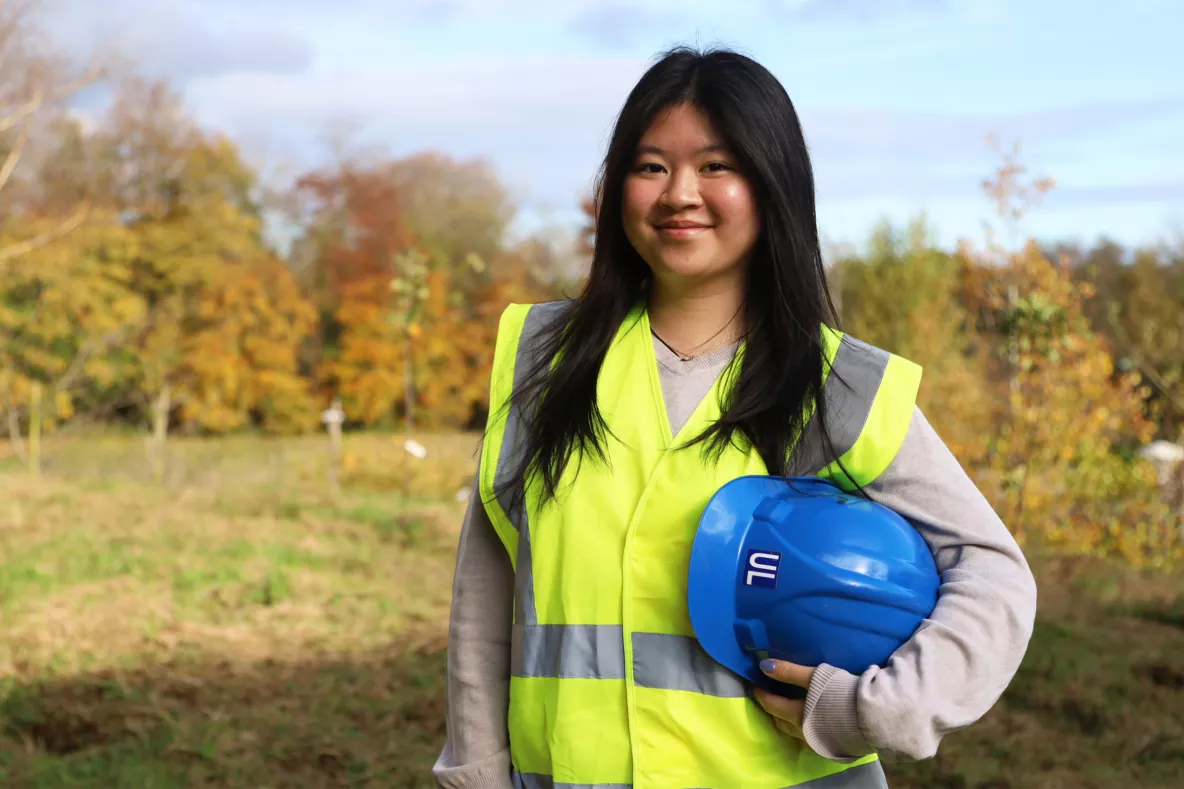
x=768, y=666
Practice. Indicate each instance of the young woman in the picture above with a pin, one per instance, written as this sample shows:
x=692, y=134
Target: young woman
x=700, y=349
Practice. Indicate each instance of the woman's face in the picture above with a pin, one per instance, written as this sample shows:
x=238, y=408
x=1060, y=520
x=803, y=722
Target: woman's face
x=687, y=210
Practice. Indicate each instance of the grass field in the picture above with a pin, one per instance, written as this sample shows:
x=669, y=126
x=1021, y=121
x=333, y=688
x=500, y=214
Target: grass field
x=237, y=627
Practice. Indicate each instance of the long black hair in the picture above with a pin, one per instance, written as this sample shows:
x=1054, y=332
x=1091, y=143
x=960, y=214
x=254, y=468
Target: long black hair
x=786, y=302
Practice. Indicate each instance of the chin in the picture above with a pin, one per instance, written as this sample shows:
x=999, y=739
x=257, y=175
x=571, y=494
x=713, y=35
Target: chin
x=686, y=267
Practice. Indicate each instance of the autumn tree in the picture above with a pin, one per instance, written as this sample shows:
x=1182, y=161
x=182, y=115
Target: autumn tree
x=66, y=305
x=61, y=303
x=345, y=259
x=406, y=291
x=218, y=345
x=1061, y=408
x=588, y=226
x=1140, y=310
x=905, y=295
x=36, y=84
x=453, y=209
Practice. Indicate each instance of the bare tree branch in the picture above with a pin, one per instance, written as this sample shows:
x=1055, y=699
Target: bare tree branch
x=14, y=156
x=89, y=349
x=1145, y=368
x=14, y=436
x=41, y=98
x=25, y=247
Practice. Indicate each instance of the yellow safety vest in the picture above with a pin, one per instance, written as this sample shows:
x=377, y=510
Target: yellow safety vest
x=609, y=687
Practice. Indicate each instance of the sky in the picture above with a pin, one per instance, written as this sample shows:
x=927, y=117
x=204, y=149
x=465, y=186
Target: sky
x=896, y=97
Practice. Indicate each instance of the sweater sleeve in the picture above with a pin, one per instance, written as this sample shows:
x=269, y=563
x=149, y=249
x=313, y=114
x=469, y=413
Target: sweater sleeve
x=961, y=659
x=476, y=752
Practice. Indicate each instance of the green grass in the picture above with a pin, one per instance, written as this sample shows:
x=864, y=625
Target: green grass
x=1098, y=701
x=236, y=626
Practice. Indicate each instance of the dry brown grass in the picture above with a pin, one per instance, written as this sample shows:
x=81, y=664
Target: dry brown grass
x=236, y=627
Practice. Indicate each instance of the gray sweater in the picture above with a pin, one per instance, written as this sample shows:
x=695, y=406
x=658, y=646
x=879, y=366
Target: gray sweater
x=944, y=678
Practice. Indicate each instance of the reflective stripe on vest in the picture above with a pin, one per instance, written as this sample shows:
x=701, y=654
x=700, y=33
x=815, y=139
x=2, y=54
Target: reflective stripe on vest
x=609, y=687
x=865, y=776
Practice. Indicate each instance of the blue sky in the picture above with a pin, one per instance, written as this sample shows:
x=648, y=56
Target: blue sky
x=896, y=96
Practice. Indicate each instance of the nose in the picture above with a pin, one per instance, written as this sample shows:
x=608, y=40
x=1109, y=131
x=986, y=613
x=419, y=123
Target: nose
x=682, y=190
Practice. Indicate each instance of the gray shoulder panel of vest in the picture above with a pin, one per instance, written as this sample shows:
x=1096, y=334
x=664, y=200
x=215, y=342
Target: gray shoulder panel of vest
x=539, y=318
x=851, y=388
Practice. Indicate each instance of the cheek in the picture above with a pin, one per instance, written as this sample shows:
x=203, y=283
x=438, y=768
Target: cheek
x=734, y=204
x=636, y=200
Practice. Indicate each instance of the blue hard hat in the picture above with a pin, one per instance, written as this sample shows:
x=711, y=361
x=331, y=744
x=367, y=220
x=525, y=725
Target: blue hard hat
x=796, y=569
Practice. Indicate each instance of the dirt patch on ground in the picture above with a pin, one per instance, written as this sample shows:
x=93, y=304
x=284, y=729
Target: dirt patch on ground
x=359, y=720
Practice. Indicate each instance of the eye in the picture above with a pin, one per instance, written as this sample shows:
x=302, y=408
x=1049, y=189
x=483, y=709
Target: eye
x=649, y=168
x=717, y=167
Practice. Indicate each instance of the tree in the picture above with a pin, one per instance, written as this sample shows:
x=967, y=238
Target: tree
x=66, y=305
x=1145, y=321
x=588, y=229
x=218, y=346
x=353, y=240
x=353, y=228
x=905, y=296
x=1062, y=408
x=242, y=351
x=453, y=209
x=35, y=84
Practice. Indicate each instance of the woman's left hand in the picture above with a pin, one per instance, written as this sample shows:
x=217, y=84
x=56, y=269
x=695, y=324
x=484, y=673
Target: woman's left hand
x=787, y=713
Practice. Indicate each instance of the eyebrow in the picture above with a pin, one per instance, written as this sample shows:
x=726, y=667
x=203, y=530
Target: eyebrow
x=713, y=148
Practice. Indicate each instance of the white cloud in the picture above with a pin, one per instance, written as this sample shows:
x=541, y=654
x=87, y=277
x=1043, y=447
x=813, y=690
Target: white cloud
x=177, y=40
x=863, y=10
x=1162, y=192
x=928, y=135
x=246, y=68
x=543, y=121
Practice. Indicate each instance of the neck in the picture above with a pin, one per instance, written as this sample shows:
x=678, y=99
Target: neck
x=697, y=319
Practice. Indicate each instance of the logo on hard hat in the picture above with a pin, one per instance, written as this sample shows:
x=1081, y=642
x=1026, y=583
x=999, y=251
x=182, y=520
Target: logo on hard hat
x=762, y=569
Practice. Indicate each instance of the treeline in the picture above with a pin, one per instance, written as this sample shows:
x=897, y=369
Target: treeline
x=1047, y=369
x=141, y=279
x=149, y=276
x=1130, y=300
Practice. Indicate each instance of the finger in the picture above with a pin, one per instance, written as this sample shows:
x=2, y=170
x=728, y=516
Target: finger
x=790, y=710
x=790, y=673
x=786, y=727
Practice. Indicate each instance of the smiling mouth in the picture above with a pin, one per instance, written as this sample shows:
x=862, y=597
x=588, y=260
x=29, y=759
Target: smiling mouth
x=681, y=229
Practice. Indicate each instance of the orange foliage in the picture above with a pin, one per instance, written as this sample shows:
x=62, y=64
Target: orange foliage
x=1061, y=410
x=365, y=368
x=451, y=345
x=359, y=230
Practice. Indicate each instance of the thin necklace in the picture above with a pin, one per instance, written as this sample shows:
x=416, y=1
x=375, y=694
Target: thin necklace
x=735, y=335
x=687, y=357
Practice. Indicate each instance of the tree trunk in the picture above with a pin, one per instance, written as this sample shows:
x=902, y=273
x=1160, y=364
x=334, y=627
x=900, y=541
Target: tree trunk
x=334, y=426
x=408, y=413
x=160, y=430
x=35, y=431
x=14, y=436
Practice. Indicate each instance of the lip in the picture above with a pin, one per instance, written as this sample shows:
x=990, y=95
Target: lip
x=681, y=229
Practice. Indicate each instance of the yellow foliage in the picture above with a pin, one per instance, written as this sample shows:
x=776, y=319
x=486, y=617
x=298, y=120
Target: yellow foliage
x=242, y=360
x=227, y=320
x=64, y=307
x=1024, y=393
x=1060, y=411
x=905, y=298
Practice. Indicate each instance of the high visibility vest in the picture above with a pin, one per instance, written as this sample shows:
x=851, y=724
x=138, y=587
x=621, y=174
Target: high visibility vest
x=609, y=687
